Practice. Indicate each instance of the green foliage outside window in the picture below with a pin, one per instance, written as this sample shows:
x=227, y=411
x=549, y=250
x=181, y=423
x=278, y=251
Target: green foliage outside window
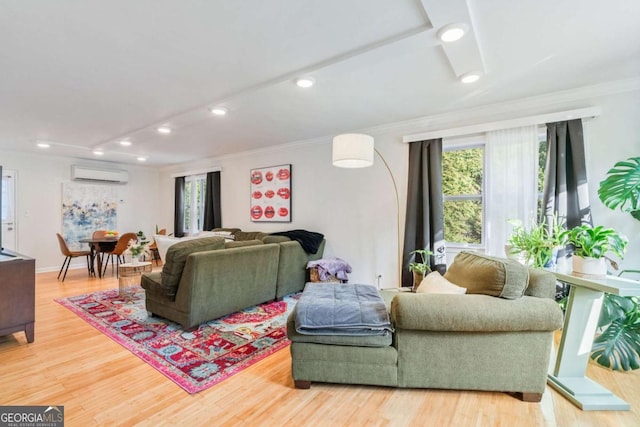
x=462, y=172
x=542, y=162
x=462, y=176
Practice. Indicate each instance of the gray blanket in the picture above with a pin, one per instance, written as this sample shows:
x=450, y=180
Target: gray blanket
x=341, y=309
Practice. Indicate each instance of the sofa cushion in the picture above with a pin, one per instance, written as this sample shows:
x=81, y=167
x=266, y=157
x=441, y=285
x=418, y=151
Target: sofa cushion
x=249, y=235
x=177, y=257
x=434, y=283
x=275, y=239
x=233, y=244
x=482, y=274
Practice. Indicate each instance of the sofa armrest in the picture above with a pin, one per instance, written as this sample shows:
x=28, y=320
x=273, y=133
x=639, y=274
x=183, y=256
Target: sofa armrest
x=542, y=284
x=292, y=270
x=474, y=313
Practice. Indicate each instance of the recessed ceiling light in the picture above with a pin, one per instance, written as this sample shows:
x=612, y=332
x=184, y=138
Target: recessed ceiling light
x=43, y=145
x=125, y=143
x=305, y=82
x=471, y=77
x=452, y=32
x=98, y=152
x=218, y=111
x=164, y=129
x=142, y=159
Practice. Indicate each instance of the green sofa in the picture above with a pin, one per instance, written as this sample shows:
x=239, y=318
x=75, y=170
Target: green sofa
x=203, y=279
x=446, y=341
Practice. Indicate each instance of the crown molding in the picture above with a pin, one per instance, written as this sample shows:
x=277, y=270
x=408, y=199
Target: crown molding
x=509, y=109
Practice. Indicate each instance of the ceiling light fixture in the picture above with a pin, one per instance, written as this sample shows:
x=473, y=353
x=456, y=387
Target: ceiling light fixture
x=164, y=129
x=43, y=145
x=142, y=159
x=98, y=152
x=470, y=77
x=305, y=82
x=125, y=143
x=452, y=32
x=218, y=111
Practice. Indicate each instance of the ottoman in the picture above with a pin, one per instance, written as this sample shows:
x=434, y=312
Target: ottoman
x=370, y=360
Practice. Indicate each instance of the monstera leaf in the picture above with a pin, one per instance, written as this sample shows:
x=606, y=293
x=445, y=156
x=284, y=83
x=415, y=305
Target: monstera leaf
x=621, y=188
x=618, y=347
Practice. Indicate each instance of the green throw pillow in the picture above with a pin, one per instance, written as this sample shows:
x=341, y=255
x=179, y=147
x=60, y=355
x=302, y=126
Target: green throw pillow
x=482, y=274
x=177, y=258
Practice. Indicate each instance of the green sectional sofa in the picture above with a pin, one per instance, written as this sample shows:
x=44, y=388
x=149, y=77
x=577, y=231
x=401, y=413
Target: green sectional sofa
x=473, y=341
x=203, y=279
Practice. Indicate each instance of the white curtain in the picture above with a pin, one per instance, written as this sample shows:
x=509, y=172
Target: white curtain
x=511, y=183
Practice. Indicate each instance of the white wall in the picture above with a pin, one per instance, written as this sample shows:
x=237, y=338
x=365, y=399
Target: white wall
x=39, y=202
x=356, y=208
x=613, y=137
x=346, y=205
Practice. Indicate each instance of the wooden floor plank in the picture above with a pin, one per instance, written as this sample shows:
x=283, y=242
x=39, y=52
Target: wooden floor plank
x=101, y=383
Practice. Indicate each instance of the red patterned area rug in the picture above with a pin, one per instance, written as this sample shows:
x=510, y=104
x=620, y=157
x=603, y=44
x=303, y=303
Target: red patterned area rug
x=194, y=360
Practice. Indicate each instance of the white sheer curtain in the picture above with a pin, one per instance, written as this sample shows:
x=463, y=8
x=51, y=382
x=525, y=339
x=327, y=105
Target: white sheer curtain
x=511, y=183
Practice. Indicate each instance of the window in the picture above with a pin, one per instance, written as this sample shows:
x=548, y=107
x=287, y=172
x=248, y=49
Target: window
x=462, y=186
x=463, y=180
x=194, y=195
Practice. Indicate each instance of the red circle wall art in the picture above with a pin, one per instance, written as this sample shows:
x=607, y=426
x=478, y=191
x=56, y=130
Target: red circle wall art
x=270, y=194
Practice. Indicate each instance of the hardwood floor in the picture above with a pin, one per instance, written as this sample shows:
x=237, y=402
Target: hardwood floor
x=100, y=383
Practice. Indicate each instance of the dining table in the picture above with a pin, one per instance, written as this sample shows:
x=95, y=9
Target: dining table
x=99, y=245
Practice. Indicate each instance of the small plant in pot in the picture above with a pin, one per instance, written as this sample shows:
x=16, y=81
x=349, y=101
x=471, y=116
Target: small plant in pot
x=537, y=246
x=419, y=269
x=591, y=246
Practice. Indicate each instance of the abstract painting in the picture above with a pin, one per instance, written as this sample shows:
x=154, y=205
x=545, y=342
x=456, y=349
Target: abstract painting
x=86, y=208
x=271, y=194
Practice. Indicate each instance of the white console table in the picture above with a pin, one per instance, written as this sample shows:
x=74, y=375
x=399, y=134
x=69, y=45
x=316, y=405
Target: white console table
x=581, y=320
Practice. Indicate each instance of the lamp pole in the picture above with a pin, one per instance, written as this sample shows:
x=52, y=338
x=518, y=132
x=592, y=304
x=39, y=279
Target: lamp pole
x=395, y=187
x=356, y=150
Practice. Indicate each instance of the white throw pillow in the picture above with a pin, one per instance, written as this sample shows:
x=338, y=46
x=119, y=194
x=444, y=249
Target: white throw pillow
x=434, y=283
x=163, y=242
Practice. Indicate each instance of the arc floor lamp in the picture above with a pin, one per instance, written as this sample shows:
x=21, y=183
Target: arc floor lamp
x=356, y=150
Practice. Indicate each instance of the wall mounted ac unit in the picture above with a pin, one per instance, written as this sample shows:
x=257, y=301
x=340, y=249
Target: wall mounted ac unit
x=83, y=173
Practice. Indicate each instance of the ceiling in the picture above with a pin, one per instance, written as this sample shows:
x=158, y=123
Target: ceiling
x=83, y=75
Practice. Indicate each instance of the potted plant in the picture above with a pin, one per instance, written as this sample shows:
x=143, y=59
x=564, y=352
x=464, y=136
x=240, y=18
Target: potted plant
x=591, y=246
x=537, y=246
x=136, y=249
x=621, y=188
x=617, y=346
x=420, y=268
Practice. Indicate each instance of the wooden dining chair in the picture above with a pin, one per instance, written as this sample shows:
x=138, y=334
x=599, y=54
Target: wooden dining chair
x=153, y=247
x=118, y=250
x=69, y=254
x=98, y=234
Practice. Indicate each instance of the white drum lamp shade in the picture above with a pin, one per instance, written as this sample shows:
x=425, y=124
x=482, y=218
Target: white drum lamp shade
x=353, y=150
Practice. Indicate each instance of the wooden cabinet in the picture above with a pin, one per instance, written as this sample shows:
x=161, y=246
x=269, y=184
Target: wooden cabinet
x=17, y=295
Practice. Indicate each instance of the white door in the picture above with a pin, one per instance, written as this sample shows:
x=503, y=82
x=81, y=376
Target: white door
x=9, y=229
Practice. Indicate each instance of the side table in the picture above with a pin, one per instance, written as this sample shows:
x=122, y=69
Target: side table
x=581, y=319
x=130, y=274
